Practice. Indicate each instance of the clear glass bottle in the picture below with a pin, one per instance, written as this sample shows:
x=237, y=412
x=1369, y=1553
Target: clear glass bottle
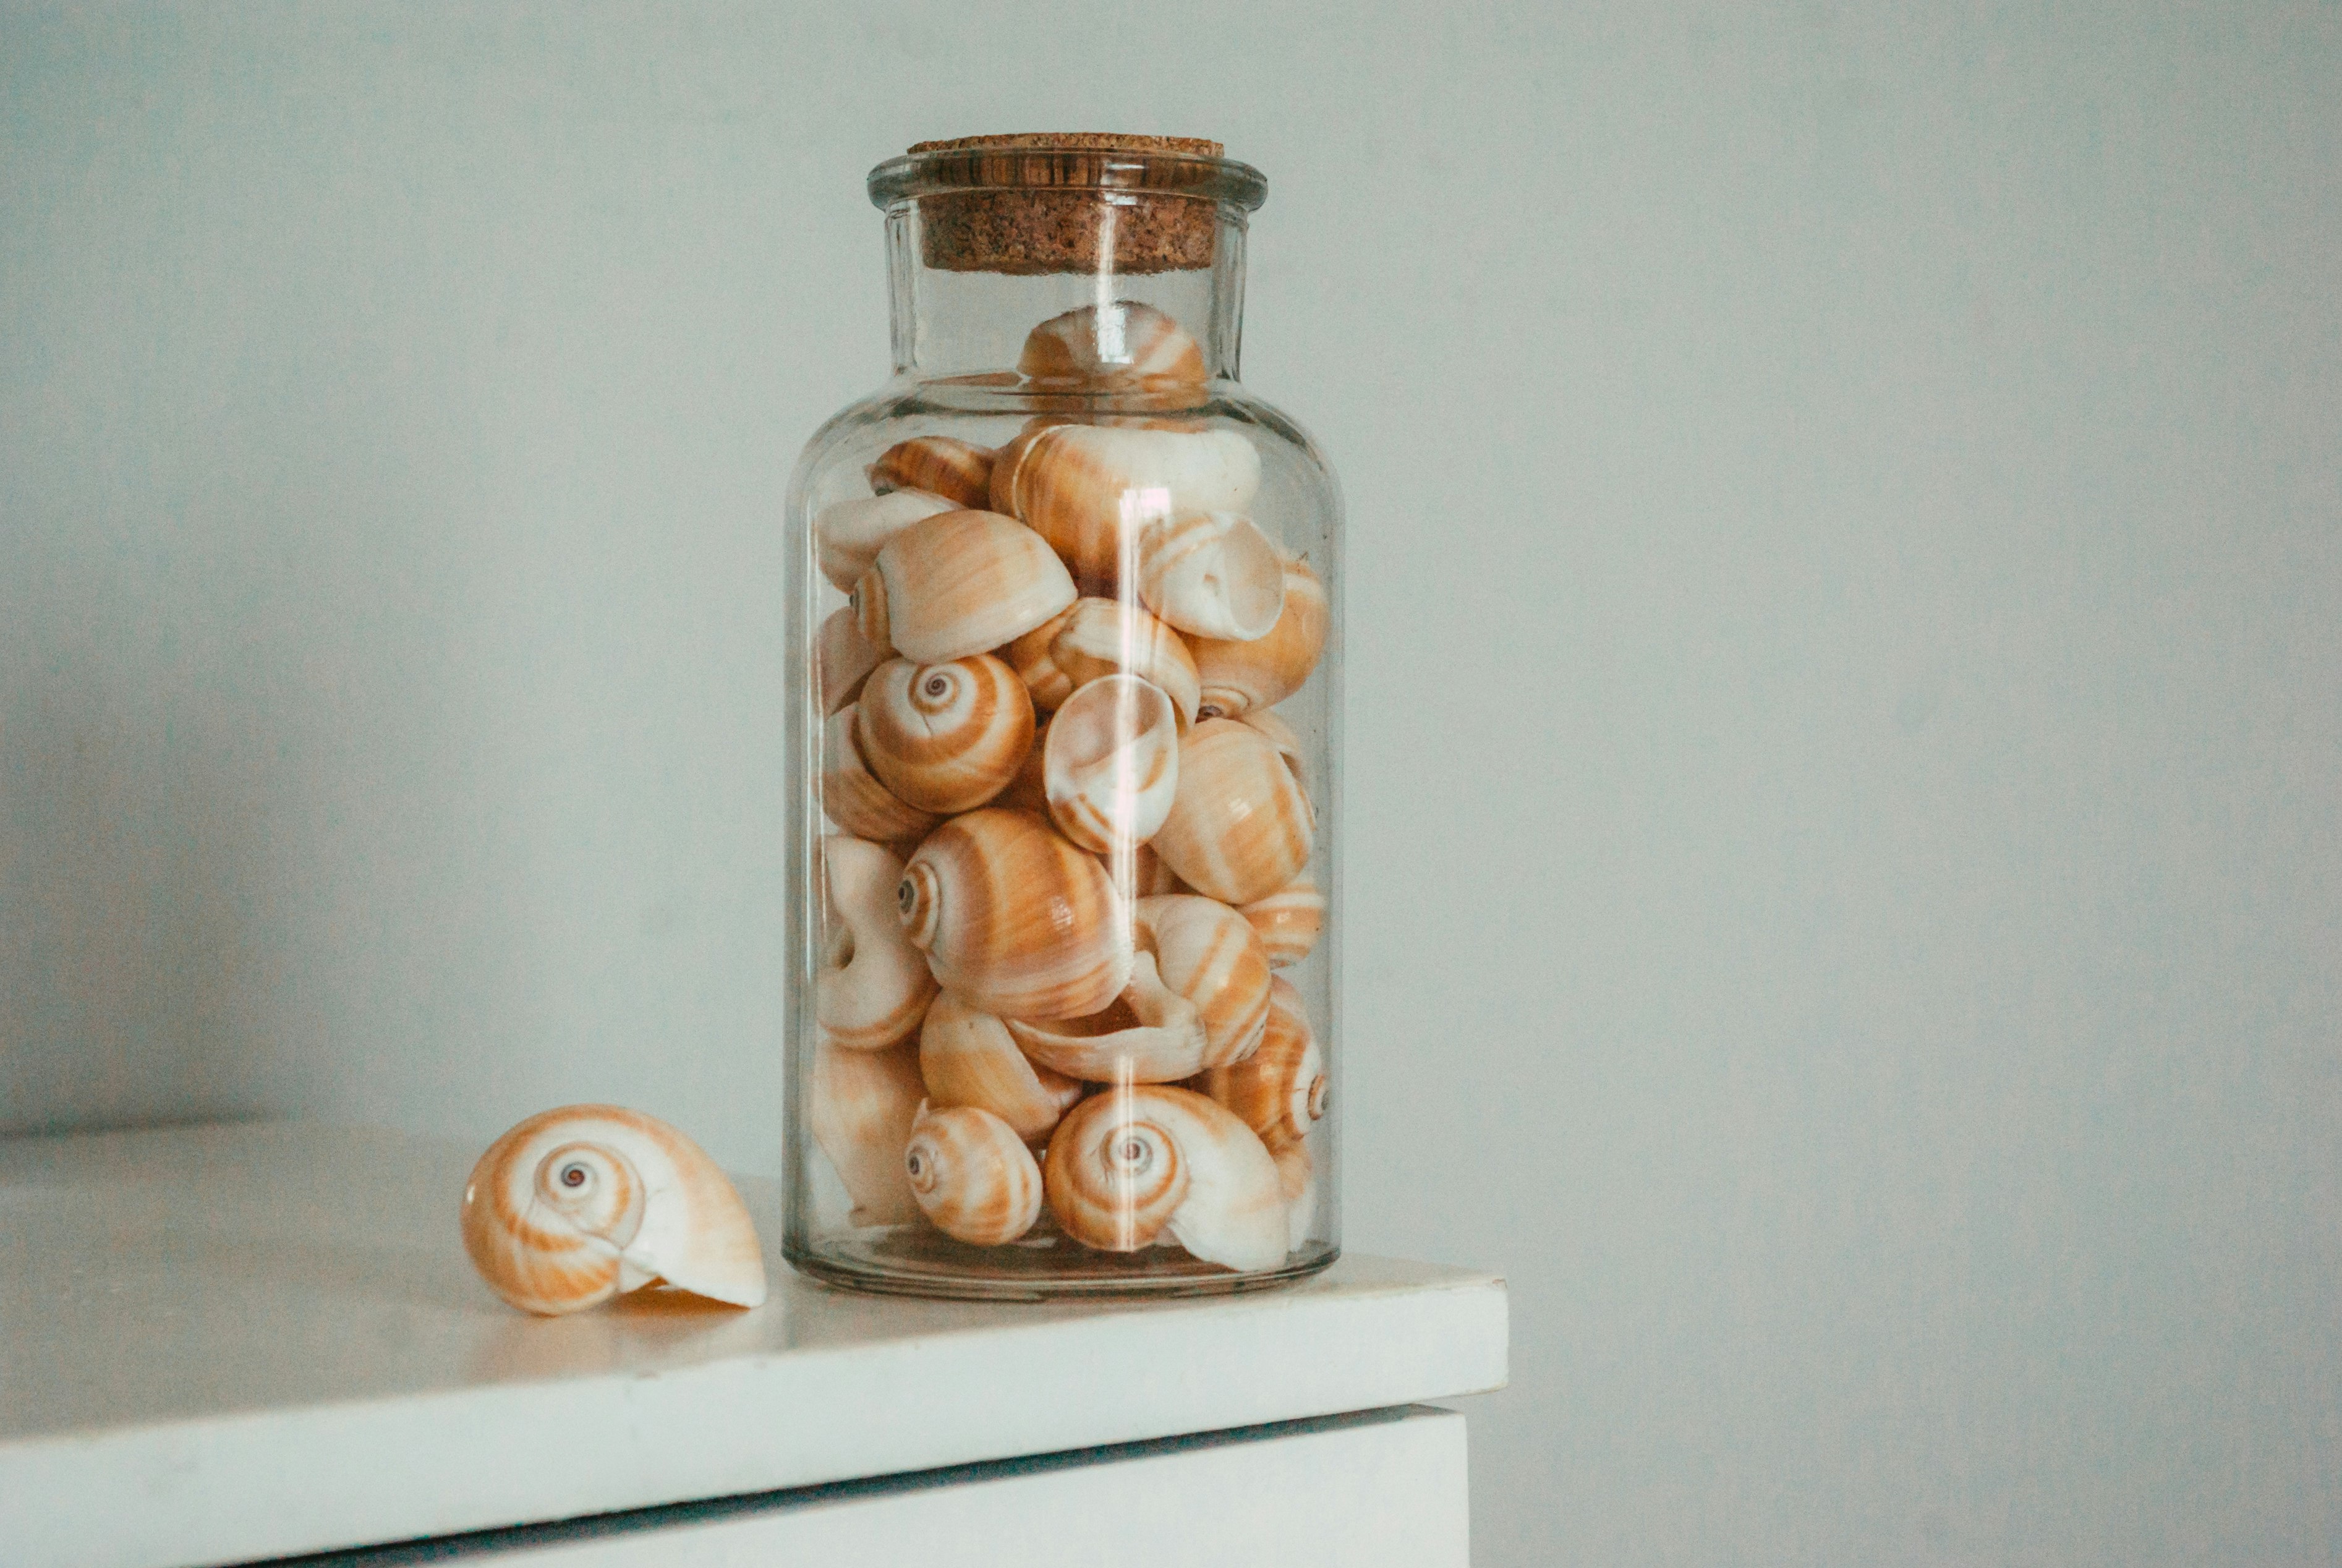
x=1062, y=734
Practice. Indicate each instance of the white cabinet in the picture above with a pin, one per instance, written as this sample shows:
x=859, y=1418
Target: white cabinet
x=228, y=1344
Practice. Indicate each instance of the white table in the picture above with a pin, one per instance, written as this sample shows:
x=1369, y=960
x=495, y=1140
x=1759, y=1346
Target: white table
x=228, y=1343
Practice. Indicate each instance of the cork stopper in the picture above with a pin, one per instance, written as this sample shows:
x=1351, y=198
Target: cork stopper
x=1068, y=202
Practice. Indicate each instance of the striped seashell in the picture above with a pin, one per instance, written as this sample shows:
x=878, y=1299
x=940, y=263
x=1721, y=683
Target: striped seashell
x=1034, y=657
x=1211, y=573
x=1280, y=1089
x=1289, y=921
x=1127, y=343
x=575, y=1205
x=1240, y=678
x=1148, y=1034
x=958, y=470
x=861, y=1105
x=972, y=1175
x=946, y=737
x=847, y=534
x=1015, y=920
x=1110, y=766
x=851, y=794
x=872, y=986
x=1210, y=954
x=1091, y=490
x=1240, y=826
x=1105, y=637
x=1140, y=1161
x=959, y=582
x=970, y=1058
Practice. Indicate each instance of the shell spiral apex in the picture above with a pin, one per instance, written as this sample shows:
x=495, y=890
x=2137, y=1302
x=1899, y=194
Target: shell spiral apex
x=578, y=1204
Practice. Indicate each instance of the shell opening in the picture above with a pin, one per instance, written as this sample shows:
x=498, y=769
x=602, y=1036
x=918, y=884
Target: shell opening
x=1317, y=1097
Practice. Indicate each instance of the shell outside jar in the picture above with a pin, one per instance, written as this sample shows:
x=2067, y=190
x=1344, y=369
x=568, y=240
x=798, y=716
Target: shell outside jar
x=1064, y=482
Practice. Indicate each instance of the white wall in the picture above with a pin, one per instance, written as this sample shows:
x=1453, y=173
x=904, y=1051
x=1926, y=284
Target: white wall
x=1846, y=636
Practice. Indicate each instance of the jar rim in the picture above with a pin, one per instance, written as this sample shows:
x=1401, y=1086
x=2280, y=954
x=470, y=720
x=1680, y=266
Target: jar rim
x=1155, y=166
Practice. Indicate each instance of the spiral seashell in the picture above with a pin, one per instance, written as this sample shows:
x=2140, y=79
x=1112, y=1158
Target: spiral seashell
x=1211, y=573
x=1139, y=1161
x=957, y=584
x=862, y=1103
x=1127, y=343
x=1240, y=678
x=847, y=534
x=851, y=794
x=945, y=737
x=1111, y=764
x=972, y=1175
x=958, y=470
x=1148, y=1035
x=1015, y=920
x=1106, y=638
x=843, y=659
x=1210, y=954
x=1148, y=876
x=576, y=1206
x=872, y=987
x=1280, y=735
x=969, y=1058
x=1297, y=1177
x=1034, y=657
x=1280, y=1089
x=1090, y=489
x=1289, y=921
x=1240, y=826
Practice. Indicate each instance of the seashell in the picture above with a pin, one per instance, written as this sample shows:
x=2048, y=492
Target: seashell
x=972, y=1175
x=1280, y=1089
x=957, y=584
x=1034, y=657
x=1240, y=678
x=1211, y=573
x=1015, y=919
x=1150, y=878
x=1126, y=344
x=1028, y=791
x=847, y=534
x=1280, y=735
x=1289, y=921
x=862, y=1107
x=1297, y=1177
x=1240, y=826
x=576, y=1206
x=1148, y=1035
x=1091, y=489
x=1144, y=1159
x=851, y=795
x=872, y=986
x=969, y=1058
x=945, y=737
x=1210, y=954
x=1103, y=637
x=958, y=470
x=1111, y=763
x=843, y=659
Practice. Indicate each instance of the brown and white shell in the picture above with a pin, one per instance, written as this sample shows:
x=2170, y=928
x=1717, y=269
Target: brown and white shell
x=843, y=659
x=958, y=470
x=1240, y=826
x=1127, y=343
x=947, y=736
x=1148, y=1035
x=1242, y=677
x=969, y=1058
x=1280, y=1090
x=1110, y=765
x=1197, y=997
x=1137, y=1161
x=1034, y=657
x=851, y=794
x=972, y=1175
x=862, y=1103
x=1289, y=921
x=1015, y=920
x=959, y=582
x=872, y=986
x=1106, y=638
x=575, y=1205
x=1091, y=490
x=1211, y=574
x=848, y=534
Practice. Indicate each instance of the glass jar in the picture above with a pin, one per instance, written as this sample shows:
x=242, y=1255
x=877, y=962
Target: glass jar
x=1062, y=729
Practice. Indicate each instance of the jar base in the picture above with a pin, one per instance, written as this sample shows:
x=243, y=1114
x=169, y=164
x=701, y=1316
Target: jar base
x=913, y=1263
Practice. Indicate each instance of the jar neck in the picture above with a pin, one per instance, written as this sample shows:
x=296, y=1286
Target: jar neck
x=953, y=323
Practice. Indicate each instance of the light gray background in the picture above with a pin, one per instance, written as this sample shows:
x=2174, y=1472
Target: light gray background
x=1844, y=629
